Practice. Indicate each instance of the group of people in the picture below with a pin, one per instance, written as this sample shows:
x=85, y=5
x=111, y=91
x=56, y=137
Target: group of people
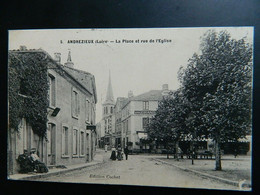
x=31, y=163
x=118, y=153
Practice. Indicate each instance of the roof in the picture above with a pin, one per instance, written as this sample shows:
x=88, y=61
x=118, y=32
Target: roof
x=85, y=78
x=121, y=98
x=121, y=101
x=152, y=95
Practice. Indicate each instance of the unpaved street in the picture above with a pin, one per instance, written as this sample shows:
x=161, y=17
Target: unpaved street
x=138, y=170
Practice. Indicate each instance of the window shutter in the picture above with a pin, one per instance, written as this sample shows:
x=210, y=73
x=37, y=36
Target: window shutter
x=78, y=104
x=63, y=141
x=72, y=102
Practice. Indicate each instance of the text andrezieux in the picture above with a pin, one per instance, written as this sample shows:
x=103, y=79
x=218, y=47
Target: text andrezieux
x=117, y=41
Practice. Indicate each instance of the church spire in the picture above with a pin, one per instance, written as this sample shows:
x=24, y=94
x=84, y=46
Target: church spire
x=109, y=97
x=69, y=62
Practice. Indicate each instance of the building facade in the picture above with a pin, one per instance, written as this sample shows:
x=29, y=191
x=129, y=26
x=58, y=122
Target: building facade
x=72, y=106
x=69, y=139
x=118, y=121
x=136, y=114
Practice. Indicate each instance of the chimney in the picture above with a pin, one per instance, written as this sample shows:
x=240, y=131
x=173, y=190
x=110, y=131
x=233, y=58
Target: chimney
x=130, y=94
x=165, y=90
x=23, y=48
x=57, y=57
x=165, y=87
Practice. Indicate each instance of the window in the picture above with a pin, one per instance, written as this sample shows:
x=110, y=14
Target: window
x=126, y=124
x=82, y=143
x=87, y=143
x=111, y=110
x=146, y=105
x=52, y=95
x=65, y=141
x=145, y=122
x=109, y=122
x=93, y=113
x=87, y=110
x=75, y=142
x=106, y=110
x=75, y=104
x=22, y=87
x=49, y=141
x=90, y=113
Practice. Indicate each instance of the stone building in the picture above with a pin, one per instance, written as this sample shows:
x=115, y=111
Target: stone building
x=70, y=134
x=118, y=120
x=136, y=114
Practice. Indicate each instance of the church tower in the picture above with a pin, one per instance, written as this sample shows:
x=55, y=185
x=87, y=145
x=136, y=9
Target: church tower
x=109, y=103
x=108, y=115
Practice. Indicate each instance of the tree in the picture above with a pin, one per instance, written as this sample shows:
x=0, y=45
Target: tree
x=217, y=83
x=159, y=129
x=167, y=126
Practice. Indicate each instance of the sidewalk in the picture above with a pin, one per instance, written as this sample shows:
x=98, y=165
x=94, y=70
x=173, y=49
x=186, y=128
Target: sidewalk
x=98, y=159
x=234, y=170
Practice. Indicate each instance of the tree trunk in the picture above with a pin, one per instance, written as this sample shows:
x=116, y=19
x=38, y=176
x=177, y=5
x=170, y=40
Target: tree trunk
x=192, y=152
x=177, y=150
x=218, y=154
x=167, y=148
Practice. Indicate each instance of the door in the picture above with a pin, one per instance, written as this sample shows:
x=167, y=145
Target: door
x=51, y=145
x=92, y=145
x=87, y=147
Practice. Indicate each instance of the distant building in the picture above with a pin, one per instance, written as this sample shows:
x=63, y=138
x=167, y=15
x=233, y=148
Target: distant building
x=136, y=114
x=119, y=139
x=100, y=135
x=71, y=135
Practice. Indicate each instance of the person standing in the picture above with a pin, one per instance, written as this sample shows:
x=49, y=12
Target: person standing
x=126, y=151
x=119, y=153
x=106, y=148
x=113, y=154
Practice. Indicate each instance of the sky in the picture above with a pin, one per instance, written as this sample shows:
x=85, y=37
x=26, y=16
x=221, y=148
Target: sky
x=134, y=64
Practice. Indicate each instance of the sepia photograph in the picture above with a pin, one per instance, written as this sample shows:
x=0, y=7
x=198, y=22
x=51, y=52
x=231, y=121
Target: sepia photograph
x=164, y=107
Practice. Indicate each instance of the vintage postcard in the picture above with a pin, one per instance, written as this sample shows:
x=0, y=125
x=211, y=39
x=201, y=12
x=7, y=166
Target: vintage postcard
x=167, y=107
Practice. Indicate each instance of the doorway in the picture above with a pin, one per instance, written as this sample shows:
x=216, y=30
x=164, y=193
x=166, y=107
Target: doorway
x=87, y=147
x=51, y=144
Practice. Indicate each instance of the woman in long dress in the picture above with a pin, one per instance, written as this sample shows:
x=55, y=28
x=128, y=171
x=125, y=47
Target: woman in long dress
x=113, y=154
x=119, y=153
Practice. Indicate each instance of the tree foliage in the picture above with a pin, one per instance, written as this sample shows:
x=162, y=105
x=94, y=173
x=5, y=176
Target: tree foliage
x=168, y=124
x=218, y=85
x=159, y=128
x=28, y=90
x=214, y=99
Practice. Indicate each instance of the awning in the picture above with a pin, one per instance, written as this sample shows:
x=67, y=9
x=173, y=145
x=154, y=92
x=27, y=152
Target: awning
x=248, y=138
x=142, y=135
x=189, y=138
